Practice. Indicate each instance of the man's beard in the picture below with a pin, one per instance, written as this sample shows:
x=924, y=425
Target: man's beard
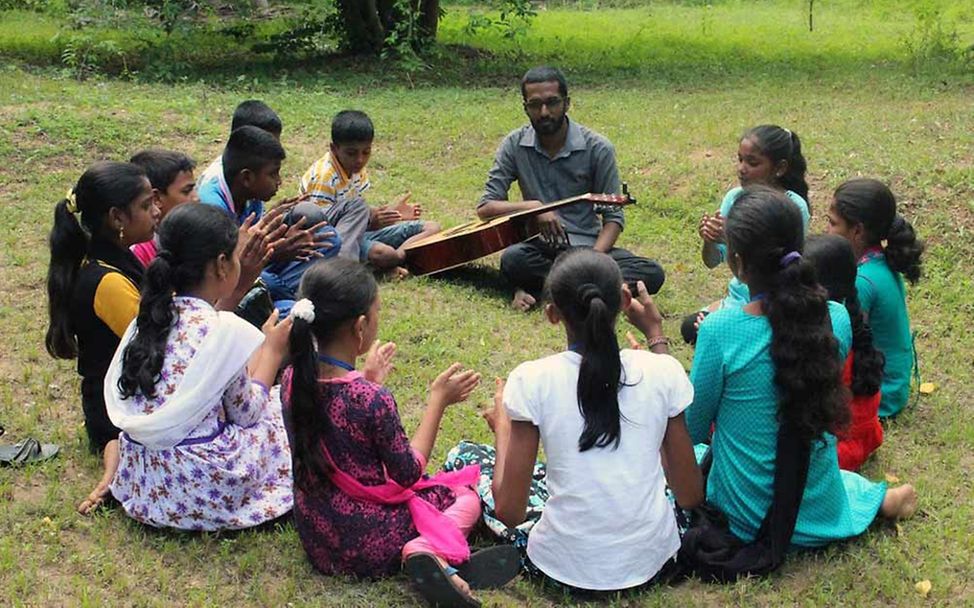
x=548, y=126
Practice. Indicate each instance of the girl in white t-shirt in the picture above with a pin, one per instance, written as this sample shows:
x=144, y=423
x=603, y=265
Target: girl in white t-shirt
x=612, y=427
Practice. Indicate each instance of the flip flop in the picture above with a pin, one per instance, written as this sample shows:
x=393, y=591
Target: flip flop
x=491, y=568
x=434, y=582
x=28, y=450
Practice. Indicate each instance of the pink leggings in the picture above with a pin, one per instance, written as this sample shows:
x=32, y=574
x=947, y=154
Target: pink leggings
x=465, y=512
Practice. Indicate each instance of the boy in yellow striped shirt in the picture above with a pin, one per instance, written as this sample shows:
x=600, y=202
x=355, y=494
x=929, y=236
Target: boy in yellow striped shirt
x=337, y=183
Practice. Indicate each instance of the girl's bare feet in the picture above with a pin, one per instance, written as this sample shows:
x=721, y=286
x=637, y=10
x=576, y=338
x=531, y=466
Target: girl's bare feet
x=899, y=503
x=437, y=582
x=95, y=499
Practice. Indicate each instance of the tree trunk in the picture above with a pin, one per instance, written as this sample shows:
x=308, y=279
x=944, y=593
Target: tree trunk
x=429, y=18
x=362, y=26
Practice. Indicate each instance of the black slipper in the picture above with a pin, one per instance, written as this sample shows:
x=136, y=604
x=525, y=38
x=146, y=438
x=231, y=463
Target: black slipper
x=434, y=583
x=28, y=450
x=491, y=568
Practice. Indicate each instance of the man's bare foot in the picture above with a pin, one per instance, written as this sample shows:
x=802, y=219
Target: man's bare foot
x=523, y=301
x=95, y=499
x=899, y=503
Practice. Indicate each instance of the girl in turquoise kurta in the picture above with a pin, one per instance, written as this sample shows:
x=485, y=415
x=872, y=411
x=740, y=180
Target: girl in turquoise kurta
x=777, y=359
x=864, y=212
x=767, y=155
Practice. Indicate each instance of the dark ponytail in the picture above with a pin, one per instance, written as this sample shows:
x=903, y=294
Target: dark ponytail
x=867, y=360
x=190, y=237
x=340, y=290
x=586, y=287
x=871, y=203
x=765, y=229
x=103, y=186
x=903, y=250
x=780, y=144
x=835, y=267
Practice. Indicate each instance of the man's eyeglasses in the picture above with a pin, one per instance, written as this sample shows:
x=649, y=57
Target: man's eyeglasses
x=552, y=103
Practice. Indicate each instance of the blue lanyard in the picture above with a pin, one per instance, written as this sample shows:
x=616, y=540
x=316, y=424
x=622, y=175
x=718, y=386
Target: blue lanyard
x=336, y=362
x=759, y=296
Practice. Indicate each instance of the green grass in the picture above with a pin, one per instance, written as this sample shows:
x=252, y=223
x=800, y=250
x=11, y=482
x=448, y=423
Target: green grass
x=674, y=117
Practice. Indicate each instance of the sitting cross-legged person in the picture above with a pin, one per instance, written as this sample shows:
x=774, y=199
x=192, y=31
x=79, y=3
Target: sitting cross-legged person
x=203, y=444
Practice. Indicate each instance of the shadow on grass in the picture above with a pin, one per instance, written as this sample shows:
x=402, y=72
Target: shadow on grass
x=485, y=279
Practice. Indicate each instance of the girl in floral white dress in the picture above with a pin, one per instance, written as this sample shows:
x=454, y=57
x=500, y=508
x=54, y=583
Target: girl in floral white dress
x=203, y=445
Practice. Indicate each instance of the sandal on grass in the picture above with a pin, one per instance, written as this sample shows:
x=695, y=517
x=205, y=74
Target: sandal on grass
x=491, y=568
x=27, y=451
x=435, y=582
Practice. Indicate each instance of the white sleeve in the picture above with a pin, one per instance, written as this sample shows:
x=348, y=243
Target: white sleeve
x=680, y=390
x=519, y=399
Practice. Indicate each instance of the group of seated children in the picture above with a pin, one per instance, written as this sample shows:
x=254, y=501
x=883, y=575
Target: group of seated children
x=885, y=250
x=179, y=393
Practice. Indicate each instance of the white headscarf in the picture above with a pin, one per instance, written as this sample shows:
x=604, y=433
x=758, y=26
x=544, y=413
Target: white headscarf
x=224, y=352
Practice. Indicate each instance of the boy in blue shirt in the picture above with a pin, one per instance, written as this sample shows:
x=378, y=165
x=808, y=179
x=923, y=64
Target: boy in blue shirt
x=251, y=167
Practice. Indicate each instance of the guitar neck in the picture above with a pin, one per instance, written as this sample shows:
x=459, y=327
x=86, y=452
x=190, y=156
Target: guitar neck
x=588, y=197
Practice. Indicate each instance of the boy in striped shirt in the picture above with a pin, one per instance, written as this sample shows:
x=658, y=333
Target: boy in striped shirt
x=337, y=182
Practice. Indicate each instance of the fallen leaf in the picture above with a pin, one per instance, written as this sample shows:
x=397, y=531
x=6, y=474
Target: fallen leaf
x=927, y=387
x=890, y=478
x=923, y=587
x=899, y=530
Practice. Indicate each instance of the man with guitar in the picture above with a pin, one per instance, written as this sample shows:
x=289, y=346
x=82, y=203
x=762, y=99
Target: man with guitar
x=554, y=158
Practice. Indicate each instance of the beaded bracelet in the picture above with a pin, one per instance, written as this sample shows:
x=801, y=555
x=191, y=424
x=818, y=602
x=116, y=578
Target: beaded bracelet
x=656, y=341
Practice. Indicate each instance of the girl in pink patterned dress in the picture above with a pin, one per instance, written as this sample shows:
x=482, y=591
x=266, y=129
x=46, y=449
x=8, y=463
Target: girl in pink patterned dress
x=362, y=505
x=203, y=446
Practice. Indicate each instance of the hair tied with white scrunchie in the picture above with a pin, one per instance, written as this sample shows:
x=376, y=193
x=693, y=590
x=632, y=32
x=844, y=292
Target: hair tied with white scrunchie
x=304, y=309
x=789, y=258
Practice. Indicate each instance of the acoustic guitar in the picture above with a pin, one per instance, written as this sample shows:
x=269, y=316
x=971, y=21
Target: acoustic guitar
x=473, y=240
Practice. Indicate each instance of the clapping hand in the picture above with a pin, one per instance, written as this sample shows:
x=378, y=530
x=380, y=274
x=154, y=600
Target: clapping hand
x=642, y=311
x=378, y=362
x=496, y=417
x=276, y=333
x=711, y=228
x=454, y=385
x=300, y=243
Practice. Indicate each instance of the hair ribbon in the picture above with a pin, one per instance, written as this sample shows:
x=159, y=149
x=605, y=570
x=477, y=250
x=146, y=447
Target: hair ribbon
x=72, y=205
x=789, y=258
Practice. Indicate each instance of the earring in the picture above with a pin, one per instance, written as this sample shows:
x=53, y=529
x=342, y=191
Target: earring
x=121, y=233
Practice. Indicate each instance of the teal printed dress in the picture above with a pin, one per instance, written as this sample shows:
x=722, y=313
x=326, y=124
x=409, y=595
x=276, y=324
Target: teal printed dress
x=882, y=296
x=733, y=383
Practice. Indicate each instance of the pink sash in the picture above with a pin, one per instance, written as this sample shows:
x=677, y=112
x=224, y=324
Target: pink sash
x=441, y=531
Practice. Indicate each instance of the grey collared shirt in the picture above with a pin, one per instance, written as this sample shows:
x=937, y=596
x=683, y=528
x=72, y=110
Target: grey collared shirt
x=586, y=163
